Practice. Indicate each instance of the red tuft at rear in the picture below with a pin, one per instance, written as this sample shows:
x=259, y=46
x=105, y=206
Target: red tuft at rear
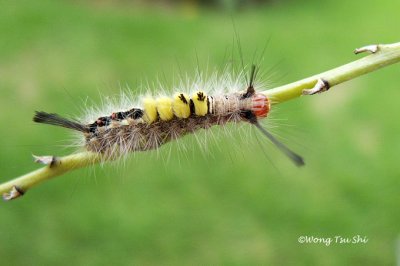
x=260, y=105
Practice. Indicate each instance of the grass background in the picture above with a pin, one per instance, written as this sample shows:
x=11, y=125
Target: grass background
x=228, y=205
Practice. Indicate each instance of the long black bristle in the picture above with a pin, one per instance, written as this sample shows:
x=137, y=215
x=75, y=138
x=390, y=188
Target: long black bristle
x=252, y=77
x=297, y=159
x=250, y=89
x=56, y=120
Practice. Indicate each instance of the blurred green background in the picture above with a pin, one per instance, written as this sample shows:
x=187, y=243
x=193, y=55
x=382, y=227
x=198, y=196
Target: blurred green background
x=225, y=203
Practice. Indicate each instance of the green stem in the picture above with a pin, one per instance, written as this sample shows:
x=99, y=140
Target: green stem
x=383, y=56
x=58, y=167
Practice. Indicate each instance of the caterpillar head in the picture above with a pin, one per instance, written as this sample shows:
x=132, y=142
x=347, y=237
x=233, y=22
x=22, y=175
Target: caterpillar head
x=256, y=103
x=259, y=107
x=259, y=104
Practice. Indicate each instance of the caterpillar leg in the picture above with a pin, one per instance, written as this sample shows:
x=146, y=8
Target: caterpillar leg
x=321, y=86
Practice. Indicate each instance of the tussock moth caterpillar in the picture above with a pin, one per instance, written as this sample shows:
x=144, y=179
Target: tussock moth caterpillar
x=163, y=119
x=216, y=102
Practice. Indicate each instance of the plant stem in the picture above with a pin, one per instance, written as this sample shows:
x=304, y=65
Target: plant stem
x=57, y=167
x=383, y=55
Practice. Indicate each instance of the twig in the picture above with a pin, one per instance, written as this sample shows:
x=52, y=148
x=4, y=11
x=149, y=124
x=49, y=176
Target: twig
x=382, y=55
x=54, y=167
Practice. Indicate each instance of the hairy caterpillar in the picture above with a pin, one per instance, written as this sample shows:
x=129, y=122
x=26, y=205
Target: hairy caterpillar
x=163, y=119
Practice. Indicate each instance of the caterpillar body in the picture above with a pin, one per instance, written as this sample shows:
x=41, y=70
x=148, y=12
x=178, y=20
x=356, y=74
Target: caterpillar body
x=163, y=119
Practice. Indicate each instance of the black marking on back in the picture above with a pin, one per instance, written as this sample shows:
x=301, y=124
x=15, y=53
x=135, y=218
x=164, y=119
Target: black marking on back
x=103, y=121
x=56, y=120
x=200, y=96
x=182, y=98
x=192, y=108
x=208, y=104
x=118, y=116
x=134, y=113
x=92, y=127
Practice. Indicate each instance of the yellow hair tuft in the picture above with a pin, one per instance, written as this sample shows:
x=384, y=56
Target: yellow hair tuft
x=164, y=108
x=150, y=110
x=200, y=103
x=180, y=105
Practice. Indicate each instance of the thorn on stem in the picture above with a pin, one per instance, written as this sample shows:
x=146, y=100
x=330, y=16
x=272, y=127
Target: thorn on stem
x=14, y=193
x=369, y=48
x=46, y=160
x=321, y=86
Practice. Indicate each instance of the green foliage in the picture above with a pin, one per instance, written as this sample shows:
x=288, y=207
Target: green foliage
x=229, y=205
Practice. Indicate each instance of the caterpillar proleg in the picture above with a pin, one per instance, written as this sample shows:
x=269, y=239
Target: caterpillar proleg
x=163, y=119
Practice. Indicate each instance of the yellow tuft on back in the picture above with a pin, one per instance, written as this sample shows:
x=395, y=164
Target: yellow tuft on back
x=180, y=105
x=200, y=103
x=150, y=110
x=164, y=108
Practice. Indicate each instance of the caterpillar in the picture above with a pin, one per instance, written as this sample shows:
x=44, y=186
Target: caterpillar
x=163, y=119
